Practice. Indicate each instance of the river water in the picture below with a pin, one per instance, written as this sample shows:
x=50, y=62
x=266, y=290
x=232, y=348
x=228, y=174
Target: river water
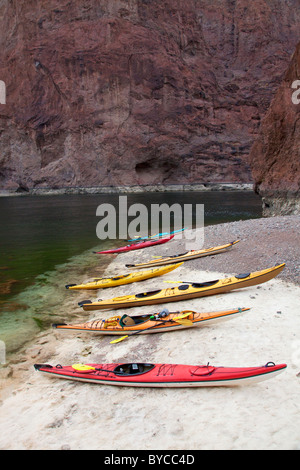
x=48, y=241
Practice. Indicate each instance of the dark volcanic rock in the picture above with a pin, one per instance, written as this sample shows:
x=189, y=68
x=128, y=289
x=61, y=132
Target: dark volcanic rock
x=114, y=92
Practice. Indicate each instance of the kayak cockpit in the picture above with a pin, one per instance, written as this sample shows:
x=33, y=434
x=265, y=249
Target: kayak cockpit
x=117, y=278
x=126, y=320
x=133, y=368
x=204, y=284
x=197, y=285
x=146, y=294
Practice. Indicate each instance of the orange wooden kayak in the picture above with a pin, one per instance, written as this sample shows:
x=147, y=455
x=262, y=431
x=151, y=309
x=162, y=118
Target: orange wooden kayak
x=151, y=323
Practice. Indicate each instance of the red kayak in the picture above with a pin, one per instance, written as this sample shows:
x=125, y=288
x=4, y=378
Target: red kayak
x=162, y=375
x=136, y=246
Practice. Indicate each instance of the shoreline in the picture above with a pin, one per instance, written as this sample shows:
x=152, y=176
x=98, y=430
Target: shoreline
x=128, y=189
x=41, y=413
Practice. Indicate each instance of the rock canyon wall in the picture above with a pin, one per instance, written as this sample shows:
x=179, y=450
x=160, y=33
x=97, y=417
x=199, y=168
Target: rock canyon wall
x=102, y=92
x=275, y=155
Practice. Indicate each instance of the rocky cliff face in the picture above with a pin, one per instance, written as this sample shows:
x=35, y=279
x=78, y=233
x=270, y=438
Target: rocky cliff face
x=275, y=156
x=104, y=92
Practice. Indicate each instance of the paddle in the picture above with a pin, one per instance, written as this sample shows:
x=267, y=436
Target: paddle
x=157, y=235
x=86, y=369
x=179, y=319
x=180, y=282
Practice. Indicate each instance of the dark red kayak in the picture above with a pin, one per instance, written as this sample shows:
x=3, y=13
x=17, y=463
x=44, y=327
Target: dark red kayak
x=136, y=246
x=162, y=375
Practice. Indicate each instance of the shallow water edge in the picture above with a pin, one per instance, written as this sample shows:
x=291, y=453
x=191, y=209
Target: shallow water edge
x=129, y=189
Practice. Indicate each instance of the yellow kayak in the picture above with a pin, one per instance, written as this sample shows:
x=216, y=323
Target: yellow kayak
x=192, y=254
x=185, y=291
x=101, y=283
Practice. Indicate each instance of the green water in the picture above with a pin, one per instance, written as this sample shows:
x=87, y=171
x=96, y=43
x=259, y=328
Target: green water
x=47, y=242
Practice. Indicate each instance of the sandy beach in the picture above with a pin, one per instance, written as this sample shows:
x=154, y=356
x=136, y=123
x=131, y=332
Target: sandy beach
x=40, y=412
